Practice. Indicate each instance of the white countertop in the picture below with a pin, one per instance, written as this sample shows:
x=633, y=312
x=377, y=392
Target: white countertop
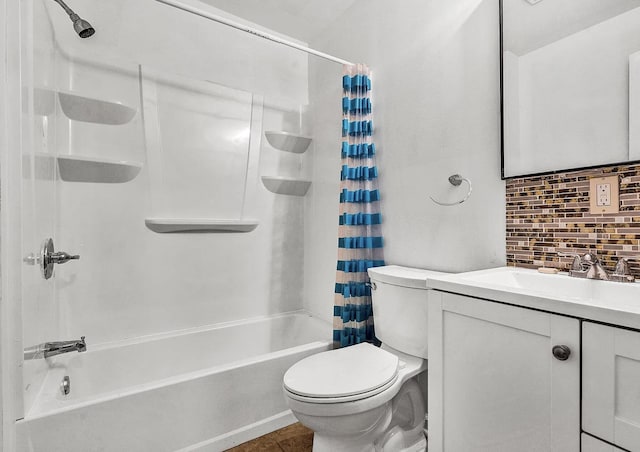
x=602, y=301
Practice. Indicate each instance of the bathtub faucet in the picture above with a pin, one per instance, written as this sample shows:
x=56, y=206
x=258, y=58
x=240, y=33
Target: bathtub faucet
x=49, y=349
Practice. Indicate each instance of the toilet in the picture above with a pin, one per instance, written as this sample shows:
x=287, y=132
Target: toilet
x=364, y=398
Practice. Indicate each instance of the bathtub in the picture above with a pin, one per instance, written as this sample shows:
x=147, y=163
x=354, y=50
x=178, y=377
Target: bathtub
x=204, y=389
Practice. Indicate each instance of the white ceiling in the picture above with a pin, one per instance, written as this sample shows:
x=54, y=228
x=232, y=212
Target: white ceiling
x=300, y=19
x=528, y=27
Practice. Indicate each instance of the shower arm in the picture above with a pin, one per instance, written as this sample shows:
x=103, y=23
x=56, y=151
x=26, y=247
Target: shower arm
x=81, y=26
x=67, y=10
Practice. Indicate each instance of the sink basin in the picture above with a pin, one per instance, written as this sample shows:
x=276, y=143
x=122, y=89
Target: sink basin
x=516, y=283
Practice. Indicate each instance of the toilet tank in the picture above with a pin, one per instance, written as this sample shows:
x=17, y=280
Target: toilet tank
x=399, y=296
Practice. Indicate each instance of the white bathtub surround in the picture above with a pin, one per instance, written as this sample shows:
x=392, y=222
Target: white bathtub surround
x=132, y=281
x=114, y=228
x=202, y=389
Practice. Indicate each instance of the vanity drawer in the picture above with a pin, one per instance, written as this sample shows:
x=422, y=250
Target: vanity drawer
x=611, y=384
x=591, y=444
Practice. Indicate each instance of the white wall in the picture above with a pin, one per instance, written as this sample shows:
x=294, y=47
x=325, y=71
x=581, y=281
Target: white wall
x=436, y=112
x=131, y=281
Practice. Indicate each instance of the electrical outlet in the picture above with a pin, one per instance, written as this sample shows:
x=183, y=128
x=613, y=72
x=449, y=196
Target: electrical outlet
x=604, y=195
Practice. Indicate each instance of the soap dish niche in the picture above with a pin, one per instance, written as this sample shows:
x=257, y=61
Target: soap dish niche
x=286, y=185
x=82, y=108
x=288, y=142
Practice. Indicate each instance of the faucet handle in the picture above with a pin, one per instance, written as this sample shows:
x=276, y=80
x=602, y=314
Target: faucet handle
x=577, y=260
x=622, y=267
x=590, y=258
x=61, y=257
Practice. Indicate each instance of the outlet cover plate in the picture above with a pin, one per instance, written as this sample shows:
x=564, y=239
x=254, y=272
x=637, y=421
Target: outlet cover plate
x=614, y=206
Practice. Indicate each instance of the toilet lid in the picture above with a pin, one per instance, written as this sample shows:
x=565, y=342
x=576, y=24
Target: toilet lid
x=344, y=372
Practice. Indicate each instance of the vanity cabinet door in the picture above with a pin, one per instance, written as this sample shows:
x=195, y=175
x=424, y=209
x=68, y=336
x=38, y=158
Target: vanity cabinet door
x=494, y=383
x=591, y=444
x=611, y=384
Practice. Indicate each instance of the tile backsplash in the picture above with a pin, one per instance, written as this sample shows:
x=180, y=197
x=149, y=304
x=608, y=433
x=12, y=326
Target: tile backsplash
x=548, y=214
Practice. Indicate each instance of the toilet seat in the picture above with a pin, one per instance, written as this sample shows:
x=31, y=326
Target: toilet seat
x=343, y=375
x=331, y=400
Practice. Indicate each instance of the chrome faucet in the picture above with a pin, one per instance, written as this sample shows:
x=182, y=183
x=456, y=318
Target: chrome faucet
x=589, y=266
x=595, y=268
x=49, y=349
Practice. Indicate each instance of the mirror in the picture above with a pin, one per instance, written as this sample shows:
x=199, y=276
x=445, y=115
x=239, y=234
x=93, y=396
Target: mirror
x=570, y=84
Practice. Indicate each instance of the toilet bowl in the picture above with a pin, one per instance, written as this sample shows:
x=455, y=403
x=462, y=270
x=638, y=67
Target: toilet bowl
x=364, y=398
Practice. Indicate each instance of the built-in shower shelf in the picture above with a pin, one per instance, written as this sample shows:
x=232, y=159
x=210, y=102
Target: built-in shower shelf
x=167, y=225
x=81, y=108
x=75, y=168
x=288, y=142
x=286, y=186
x=87, y=109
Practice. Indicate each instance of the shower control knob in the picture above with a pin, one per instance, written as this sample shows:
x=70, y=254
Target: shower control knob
x=61, y=257
x=561, y=352
x=49, y=257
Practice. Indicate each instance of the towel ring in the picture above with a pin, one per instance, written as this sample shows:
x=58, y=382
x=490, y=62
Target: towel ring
x=456, y=180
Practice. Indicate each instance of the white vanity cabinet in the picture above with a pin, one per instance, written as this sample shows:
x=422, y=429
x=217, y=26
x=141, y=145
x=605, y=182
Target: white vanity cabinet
x=494, y=383
x=611, y=384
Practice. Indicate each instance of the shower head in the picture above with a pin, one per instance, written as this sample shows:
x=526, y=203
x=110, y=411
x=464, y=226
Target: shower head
x=81, y=26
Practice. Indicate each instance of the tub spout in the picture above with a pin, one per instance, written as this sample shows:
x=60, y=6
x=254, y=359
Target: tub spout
x=49, y=349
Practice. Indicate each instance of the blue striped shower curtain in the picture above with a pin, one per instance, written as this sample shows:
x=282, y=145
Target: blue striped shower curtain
x=359, y=224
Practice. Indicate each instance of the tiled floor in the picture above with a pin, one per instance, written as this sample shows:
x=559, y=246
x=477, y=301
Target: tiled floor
x=294, y=438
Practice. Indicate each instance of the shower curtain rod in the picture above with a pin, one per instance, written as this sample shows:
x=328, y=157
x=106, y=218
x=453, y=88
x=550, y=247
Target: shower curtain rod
x=253, y=31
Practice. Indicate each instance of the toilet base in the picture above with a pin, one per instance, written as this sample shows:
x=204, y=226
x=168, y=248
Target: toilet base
x=398, y=443
x=349, y=433
x=420, y=446
x=326, y=444
x=395, y=426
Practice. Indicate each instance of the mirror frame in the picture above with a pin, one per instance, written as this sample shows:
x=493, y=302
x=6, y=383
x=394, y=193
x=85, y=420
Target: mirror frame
x=542, y=173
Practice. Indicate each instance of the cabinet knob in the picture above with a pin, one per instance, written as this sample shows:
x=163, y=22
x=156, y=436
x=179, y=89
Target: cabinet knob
x=561, y=352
